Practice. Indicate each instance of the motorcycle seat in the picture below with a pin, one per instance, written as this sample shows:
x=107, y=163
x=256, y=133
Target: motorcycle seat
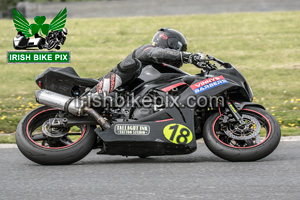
x=63, y=80
x=69, y=73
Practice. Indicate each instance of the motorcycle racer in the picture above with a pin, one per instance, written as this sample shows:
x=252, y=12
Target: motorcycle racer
x=168, y=46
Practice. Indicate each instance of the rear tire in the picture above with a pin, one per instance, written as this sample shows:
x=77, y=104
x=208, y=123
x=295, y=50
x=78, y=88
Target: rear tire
x=54, y=154
x=252, y=152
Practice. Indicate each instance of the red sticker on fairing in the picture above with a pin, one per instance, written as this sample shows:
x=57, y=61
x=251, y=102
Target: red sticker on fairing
x=163, y=36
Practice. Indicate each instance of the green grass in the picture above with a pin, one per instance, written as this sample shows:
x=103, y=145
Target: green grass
x=7, y=138
x=265, y=47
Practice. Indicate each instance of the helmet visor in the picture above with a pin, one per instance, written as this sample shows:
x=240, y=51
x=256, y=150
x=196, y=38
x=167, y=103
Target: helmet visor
x=173, y=43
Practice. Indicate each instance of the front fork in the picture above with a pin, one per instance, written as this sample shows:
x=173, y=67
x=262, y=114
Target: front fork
x=234, y=112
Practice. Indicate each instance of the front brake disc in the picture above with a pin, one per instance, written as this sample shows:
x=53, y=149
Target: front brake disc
x=250, y=130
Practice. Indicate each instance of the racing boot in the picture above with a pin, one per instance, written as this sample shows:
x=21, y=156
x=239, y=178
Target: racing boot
x=123, y=73
x=106, y=85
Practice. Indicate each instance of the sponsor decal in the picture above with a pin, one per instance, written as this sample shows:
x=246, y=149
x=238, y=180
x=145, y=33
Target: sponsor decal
x=178, y=133
x=132, y=129
x=208, y=84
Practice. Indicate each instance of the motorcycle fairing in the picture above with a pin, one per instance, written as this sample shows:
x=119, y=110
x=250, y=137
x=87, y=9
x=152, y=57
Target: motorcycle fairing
x=154, y=76
x=155, y=142
x=234, y=83
x=240, y=84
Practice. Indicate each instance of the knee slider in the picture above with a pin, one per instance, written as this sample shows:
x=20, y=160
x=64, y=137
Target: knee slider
x=129, y=71
x=129, y=65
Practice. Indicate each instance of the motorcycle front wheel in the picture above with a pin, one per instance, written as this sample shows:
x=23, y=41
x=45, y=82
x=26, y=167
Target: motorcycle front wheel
x=52, y=146
x=256, y=140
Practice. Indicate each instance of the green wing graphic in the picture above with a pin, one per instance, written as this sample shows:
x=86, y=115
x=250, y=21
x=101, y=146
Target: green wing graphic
x=58, y=23
x=21, y=24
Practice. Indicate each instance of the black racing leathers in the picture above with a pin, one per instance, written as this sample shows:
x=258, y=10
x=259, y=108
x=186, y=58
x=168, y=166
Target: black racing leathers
x=131, y=66
x=147, y=54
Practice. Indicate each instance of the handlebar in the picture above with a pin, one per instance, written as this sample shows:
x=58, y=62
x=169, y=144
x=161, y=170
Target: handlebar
x=209, y=66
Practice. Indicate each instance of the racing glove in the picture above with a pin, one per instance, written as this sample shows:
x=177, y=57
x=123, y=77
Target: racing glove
x=192, y=58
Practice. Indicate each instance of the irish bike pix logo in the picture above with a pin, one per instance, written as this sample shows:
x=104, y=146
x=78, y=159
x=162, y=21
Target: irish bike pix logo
x=38, y=36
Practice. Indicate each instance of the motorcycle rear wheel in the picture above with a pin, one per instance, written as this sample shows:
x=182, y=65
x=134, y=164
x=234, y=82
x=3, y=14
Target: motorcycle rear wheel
x=235, y=150
x=64, y=148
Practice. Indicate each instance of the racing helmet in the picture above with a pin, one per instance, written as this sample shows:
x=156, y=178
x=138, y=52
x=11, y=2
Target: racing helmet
x=169, y=38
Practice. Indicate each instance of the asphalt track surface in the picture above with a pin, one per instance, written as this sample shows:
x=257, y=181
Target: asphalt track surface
x=200, y=175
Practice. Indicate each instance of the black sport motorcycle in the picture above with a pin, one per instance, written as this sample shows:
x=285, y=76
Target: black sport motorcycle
x=215, y=105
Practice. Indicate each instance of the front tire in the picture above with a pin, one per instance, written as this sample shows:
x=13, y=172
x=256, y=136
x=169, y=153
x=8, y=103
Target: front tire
x=232, y=149
x=42, y=149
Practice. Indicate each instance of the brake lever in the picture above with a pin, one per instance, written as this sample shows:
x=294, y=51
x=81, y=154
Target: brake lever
x=201, y=62
x=215, y=59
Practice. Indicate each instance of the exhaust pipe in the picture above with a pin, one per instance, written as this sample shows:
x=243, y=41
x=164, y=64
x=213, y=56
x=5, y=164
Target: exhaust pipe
x=68, y=104
x=62, y=102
